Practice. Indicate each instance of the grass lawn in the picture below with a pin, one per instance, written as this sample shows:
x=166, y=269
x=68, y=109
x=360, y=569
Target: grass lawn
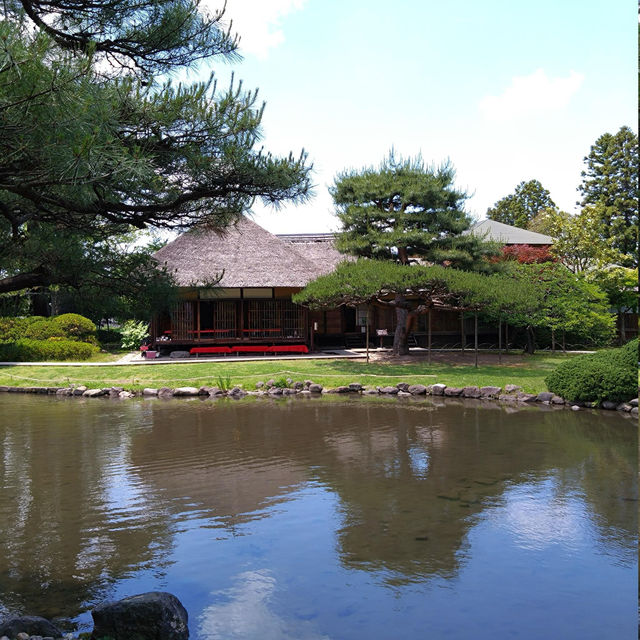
x=450, y=368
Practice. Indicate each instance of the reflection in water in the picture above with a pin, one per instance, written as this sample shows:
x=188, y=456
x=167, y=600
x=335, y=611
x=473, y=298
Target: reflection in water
x=329, y=518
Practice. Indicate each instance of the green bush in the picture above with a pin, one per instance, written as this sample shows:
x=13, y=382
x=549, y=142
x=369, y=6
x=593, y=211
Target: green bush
x=109, y=337
x=133, y=333
x=27, y=350
x=42, y=329
x=607, y=375
x=75, y=327
x=13, y=328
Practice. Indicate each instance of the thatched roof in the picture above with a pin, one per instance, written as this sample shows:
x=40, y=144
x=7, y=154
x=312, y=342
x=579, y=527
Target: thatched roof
x=505, y=233
x=249, y=255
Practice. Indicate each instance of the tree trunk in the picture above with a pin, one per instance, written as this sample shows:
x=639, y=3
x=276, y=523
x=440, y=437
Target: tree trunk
x=531, y=340
x=400, y=344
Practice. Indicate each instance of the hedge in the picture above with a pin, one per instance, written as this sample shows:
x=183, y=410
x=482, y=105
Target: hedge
x=607, y=375
x=27, y=350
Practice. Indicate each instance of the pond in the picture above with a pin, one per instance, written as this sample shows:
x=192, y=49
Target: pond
x=324, y=518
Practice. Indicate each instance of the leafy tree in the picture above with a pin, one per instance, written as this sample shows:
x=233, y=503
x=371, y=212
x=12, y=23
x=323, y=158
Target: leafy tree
x=517, y=209
x=580, y=241
x=405, y=211
x=527, y=254
x=92, y=145
x=610, y=181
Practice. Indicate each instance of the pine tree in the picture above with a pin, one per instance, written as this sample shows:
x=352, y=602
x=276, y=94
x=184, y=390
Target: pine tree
x=517, y=209
x=611, y=181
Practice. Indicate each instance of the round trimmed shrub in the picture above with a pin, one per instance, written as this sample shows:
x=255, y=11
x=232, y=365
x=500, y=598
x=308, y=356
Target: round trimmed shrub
x=27, y=350
x=75, y=327
x=607, y=375
x=13, y=328
x=42, y=329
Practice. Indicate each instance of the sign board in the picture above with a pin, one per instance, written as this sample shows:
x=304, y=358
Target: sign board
x=382, y=332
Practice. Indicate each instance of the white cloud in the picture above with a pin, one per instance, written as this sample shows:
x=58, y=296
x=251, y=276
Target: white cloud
x=257, y=22
x=530, y=95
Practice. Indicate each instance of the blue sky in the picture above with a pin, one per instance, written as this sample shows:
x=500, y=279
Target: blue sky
x=507, y=90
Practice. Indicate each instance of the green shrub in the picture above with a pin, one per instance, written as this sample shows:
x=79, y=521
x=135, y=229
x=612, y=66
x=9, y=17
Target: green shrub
x=27, y=350
x=13, y=328
x=133, y=333
x=42, y=329
x=109, y=337
x=75, y=327
x=607, y=375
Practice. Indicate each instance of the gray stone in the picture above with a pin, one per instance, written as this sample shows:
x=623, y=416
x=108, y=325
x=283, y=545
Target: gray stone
x=114, y=392
x=490, y=392
x=94, y=393
x=512, y=388
x=417, y=389
x=186, y=391
x=237, y=391
x=308, y=382
x=22, y=636
x=471, y=392
x=403, y=386
x=64, y=392
x=275, y=391
x=403, y=394
x=259, y=384
x=634, y=411
x=438, y=389
x=289, y=392
x=388, y=390
x=149, y=392
x=271, y=383
x=4, y=637
x=179, y=354
x=370, y=392
x=624, y=406
x=452, y=391
x=315, y=388
x=126, y=394
x=506, y=397
x=305, y=392
x=634, y=402
x=545, y=396
x=557, y=400
x=341, y=389
x=78, y=391
x=526, y=397
x=29, y=625
x=575, y=407
x=298, y=385
x=355, y=386
x=148, y=616
x=165, y=392
x=289, y=380
x=215, y=391
x=608, y=405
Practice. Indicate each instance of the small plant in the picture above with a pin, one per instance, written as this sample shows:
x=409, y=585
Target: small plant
x=133, y=333
x=224, y=383
x=281, y=383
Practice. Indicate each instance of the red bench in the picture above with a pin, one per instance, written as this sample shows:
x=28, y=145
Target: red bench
x=197, y=350
x=250, y=348
x=289, y=348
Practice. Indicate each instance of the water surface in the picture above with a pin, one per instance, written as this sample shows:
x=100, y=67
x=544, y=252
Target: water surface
x=323, y=519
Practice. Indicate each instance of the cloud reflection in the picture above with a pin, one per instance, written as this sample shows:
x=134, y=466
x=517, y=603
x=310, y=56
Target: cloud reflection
x=243, y=612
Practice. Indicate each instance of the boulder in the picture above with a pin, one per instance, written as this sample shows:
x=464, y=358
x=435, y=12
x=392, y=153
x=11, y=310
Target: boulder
x=370, y=392
x=403, y=394
x=355, y=387
x=438, y=389
x=545, y=396
x=215, y=391
x=165, y=392
x=512, y=388
x=634, y=402
x=341, y=389
x=557, y=400
x=78, y=391
x=114, y=392
x=315, y=388
x=186, y=391
x=634, y=412
x=259, y=384
x=31, y=625
x=452, y=391
x=126, y=394
x=271, y=383
x=624, y=406
x=149, y=392
x=526, y=397
x=389, y=390
x=417, y=389
x=275, y=391
x=298, y=386
x=94, y=393
x=289, y=392
x=471, y=392
x=490, y=392
x=149, y=616
x=506, y=397
x=403, y=386
x=607, y=404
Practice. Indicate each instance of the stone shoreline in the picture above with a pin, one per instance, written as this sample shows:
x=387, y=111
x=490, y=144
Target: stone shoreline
x=511, y=394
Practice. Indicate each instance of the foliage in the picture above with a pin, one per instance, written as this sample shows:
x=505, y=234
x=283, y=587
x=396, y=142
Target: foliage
x=619, y=284
x=133, y=333
x=28, y=350
x=526, y=254
x=93, y=146
x=517, y=209
x=607, y=375
x=43, y=330
x=223, y=382
x=109, y=337
x=12, y=329
x=610, y=180
x=580, y=241
x=75, y=326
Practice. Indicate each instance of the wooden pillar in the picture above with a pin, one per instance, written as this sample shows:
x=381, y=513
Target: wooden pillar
x=429, y=336
x=463, y=337
x=553, y=341
x=500, y=340
x=506, y=337
x=198, y=319
x=367, y=334
x=475, y=342
x=241, y=319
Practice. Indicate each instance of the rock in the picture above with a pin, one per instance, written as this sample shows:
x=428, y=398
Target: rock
x=490, y=392
x=634, y=402
x=608, y=405
x=557, y=400
x=417, y=389
x=512, y=388
x=29, y=625
x=289, y=381
x=259, y=384
x=526, y=397
x=403, y=386
x=165, y=392
x=305, y=392
x=78, y=391
x=308, y=383
x=298, y=386
x=438, y=389
x=471, y=392
x=149, y=392
x=315, y=388
x=148, y=616
x=634, y=411
x=506, y=397
x=355, y=387
x=370, y=392
x=341, y=389
x=452, y=391
x=64, y=392
x=114, y=392
x=126, y=394
x=289, y=392
x=186, y=391
x=215, y=392
x=388, y=390
x=179, y=354
x=275, y=391
x=94, y=393
x=545, y=396
x=22, y=636
x=575, y=407
x=271, y=383
x=624, y=406
x=237, y=391
x=403, y=394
